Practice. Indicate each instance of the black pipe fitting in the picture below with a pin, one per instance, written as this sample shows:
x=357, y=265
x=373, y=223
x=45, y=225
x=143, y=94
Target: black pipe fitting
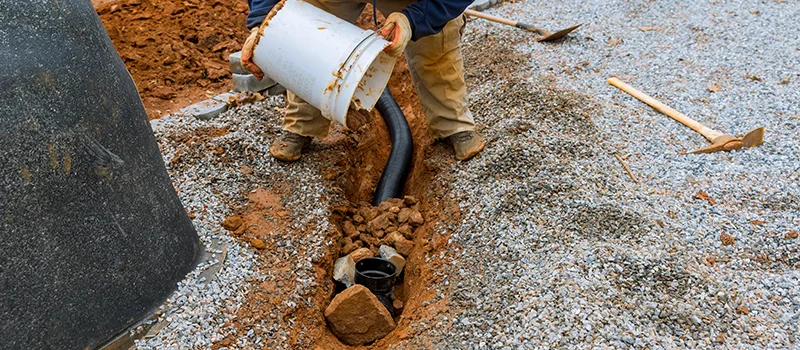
x=377, y=275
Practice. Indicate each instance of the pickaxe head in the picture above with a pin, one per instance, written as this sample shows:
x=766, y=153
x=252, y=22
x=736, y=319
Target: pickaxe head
x=727, y=143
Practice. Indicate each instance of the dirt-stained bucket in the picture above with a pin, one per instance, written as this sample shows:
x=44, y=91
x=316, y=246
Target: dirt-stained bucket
x=324, y=59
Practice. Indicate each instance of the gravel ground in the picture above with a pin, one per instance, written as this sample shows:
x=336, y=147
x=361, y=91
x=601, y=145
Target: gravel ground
x=557, y=247
x=211, y=184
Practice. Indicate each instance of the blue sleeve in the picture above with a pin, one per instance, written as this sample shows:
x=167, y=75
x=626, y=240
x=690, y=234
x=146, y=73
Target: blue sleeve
x=429, y=17
x=258, y=11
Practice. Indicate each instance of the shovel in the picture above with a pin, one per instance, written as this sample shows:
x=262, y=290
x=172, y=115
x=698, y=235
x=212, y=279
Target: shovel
x=719, y=141
x=546, y=35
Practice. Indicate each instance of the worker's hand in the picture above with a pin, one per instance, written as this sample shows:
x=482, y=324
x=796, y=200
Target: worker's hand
x=247, y=54
x=397, y=30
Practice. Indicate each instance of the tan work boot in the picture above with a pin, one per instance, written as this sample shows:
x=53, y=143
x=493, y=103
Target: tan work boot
x=289, y=146
x=467, y=144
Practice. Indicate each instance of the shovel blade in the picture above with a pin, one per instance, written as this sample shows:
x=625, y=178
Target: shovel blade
x=559, y=34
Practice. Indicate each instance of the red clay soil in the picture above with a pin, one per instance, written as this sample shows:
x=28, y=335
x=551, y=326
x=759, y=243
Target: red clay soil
x=176, y=51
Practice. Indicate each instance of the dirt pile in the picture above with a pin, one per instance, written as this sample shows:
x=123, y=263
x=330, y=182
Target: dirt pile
x=176, y=51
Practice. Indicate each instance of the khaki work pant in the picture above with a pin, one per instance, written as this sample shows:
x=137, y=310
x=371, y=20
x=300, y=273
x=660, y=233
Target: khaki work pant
x=436, y=65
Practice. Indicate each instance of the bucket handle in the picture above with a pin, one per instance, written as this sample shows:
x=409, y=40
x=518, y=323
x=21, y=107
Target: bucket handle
x=344, y=63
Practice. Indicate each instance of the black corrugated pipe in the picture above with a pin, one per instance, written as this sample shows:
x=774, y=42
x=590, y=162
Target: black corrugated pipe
x=395, y=173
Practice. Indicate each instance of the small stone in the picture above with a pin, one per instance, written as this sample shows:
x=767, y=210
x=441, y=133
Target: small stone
x=246, y=170
x=742, y=309
x=396, y=202
x=394, y=257
x=368, y=239
x=348, y=245
x=239, y=231
x=380, y=223
x=375, y=250
x=403, y=246
x=257, y=243
x=232, y=222
x=368, y=213
x=344, y=270
x=409, y=200
x=358, y=219
x=350, y=230
x=379, y=234
x=402, y=216
x=415, y=218
x=357, y=317
x=703, y=195
x=362, y=228
x=360, y=253
x=394, y=210
x=384, y=207
x=398, y=304
x=407, y=231
x=791, y=235
x=726, y=239
x=349, y=248
x=391, y=229
x=392, y=237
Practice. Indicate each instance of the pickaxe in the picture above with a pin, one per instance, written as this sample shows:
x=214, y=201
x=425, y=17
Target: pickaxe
x=545, y=35
x=719, y=140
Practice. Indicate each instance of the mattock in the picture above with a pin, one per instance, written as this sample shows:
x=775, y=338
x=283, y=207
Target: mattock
x=719, y=141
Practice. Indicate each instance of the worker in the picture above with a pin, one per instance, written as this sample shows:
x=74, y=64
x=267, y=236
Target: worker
x=429, y=32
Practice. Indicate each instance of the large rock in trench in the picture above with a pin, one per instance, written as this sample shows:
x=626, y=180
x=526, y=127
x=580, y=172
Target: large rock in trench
x=92, y=234
x=357, y=317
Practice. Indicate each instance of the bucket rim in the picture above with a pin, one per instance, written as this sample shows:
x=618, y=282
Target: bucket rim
x=346, y=71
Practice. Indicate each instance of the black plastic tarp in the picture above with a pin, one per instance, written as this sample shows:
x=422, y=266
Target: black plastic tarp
x=92, y=233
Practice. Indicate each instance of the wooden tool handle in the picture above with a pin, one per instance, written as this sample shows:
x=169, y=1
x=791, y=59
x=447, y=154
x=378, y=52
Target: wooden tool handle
x=506, y=21
x=709, y=133
x=489, y=17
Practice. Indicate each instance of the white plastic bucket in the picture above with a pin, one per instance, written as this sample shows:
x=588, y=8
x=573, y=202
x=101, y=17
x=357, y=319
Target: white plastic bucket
x=323, y=59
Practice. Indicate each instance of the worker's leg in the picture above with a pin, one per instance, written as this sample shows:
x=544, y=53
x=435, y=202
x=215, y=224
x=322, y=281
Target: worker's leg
x=437, y=68
x=302, y=118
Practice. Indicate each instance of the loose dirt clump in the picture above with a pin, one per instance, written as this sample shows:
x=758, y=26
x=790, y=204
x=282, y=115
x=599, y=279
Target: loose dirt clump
x=392, y=223
x=176, y=51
